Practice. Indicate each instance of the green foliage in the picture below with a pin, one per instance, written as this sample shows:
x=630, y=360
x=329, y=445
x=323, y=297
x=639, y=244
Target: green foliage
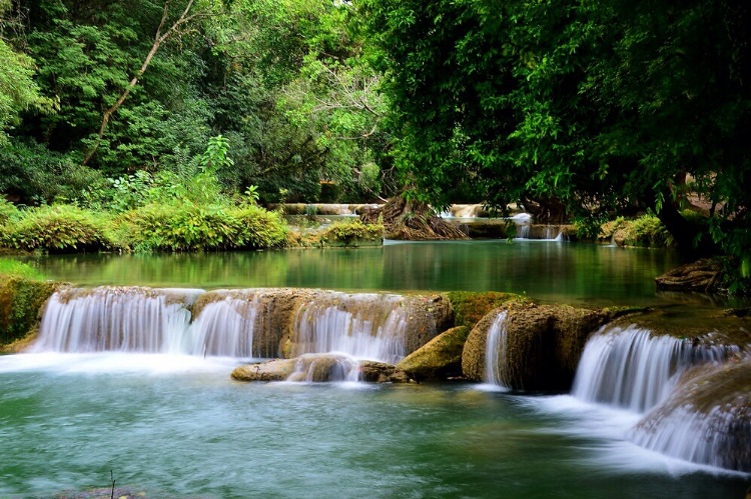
x=647, y=231
x=352, y=233
x=57, y=229
x=187, y=227
x=8, y=212
x=595, y=106
x=35, y=175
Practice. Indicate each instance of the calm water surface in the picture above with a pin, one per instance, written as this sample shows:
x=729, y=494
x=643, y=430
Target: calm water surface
x=546, y=271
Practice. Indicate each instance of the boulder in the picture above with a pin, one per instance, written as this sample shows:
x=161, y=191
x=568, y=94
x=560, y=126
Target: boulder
x=270, y=370
x=439, y=359
x=543, y=345
x=381, y=372
x=707, y=418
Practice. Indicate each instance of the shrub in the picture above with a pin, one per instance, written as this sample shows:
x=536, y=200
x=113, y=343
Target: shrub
x=56, y=229
x=647, y=231
x=352, y=233
x=8, y=212
x=186, y=227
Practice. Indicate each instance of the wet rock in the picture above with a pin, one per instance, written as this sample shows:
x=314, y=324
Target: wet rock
x=270, y=370
x=707, y=418
x=543, y=346
x=319, y=368
x=439, y=359
x=381, y=372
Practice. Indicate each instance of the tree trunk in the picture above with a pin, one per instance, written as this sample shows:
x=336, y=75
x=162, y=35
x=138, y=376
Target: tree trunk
x=159, y=38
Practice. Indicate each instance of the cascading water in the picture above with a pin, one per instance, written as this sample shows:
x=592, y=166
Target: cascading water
x=226, y=328
x=330, y=367
x=243, y=323
x=495, y=351
x=126, y=319
x=366, y=326
x=632, y=369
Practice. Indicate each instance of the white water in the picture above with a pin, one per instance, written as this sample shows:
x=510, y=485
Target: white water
x=141, y=320
x=495, y=352
x=686, y=434
x=344, y=368
x=365, y=326
x=632, y=369
x=115, y=319
x=225, y=328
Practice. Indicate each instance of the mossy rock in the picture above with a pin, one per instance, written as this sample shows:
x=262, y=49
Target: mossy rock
x=439, y=359
x=544, y=345
x=21, y=303
x=712, y=402
x=319, y=368
x=470, y=306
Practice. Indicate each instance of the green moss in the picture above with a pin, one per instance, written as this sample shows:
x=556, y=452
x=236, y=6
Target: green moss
x=470, y=306
x=440, y=358
x=21, y=301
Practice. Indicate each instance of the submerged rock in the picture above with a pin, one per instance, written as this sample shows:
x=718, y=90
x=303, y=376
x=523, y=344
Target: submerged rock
x=706, y=420
x=440, y=358
x=542, y=345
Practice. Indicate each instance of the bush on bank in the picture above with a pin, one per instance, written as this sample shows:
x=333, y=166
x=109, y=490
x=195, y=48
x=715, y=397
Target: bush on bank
x=187, y=227
x=56, y=229
x=154, y=227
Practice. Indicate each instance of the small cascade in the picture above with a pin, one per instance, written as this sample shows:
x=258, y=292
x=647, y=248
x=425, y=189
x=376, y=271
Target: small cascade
x=126, y=319
x=522, y=231
x=226, y=327
x=312, y=368
x=632, y=369
x=495, y=351
x=366, y=326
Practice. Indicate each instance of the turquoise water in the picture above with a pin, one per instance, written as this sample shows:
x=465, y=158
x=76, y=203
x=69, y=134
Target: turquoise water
x=177, y=426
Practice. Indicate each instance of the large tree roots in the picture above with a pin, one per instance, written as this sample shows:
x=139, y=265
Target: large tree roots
x=406, y=220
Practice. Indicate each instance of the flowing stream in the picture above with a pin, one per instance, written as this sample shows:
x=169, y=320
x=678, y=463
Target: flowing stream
x=134, y=381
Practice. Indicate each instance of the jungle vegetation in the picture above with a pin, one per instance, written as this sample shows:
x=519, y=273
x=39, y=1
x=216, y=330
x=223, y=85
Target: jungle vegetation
x=574, y=108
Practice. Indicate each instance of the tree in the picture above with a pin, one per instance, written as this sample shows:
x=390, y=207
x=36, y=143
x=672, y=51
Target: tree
x=596, y=106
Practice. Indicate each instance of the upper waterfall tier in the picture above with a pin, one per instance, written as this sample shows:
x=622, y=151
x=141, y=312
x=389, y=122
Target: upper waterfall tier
x=240, y=323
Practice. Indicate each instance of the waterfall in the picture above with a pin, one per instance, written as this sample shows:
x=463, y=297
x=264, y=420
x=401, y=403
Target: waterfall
x=366, y=326
x=226, y=327
x=127, y=319
x=313, y=368
x=242, y=323
x=495, y=351
x=632, y=369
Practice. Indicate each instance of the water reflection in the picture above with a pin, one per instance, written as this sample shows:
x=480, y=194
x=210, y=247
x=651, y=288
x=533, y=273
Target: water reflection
x=546, y=271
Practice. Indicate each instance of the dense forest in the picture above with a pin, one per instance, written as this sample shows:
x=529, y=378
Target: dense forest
x=573, y=108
